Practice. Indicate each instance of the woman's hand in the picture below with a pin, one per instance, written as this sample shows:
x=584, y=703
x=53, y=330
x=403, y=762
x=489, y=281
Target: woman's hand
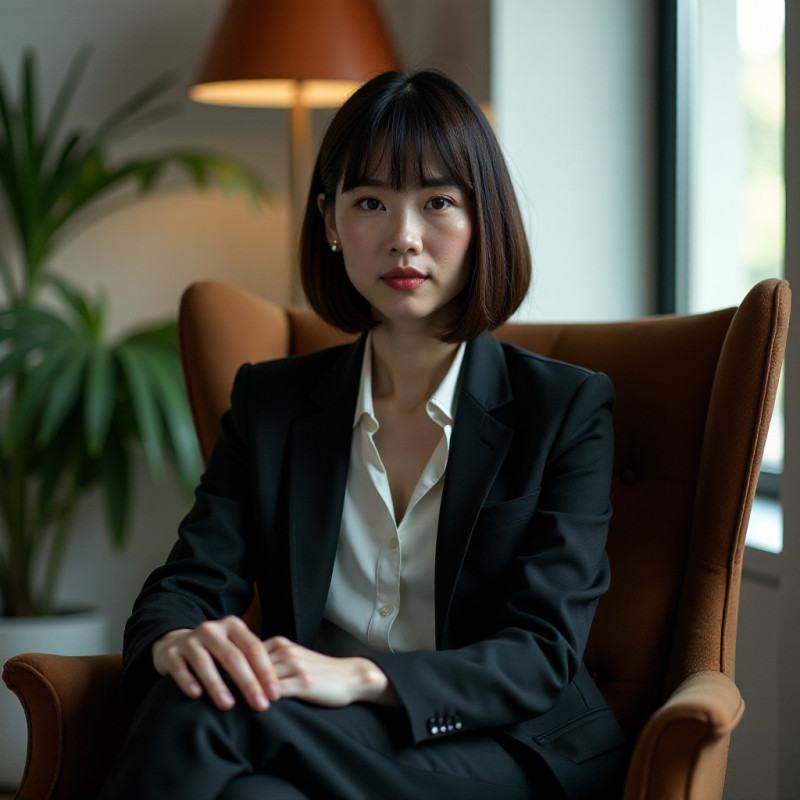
x=264, y=671
x=191, y=658
x=324, y=680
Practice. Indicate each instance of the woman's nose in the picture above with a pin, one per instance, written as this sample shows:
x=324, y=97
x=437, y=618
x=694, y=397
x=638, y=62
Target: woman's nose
x=406, y=236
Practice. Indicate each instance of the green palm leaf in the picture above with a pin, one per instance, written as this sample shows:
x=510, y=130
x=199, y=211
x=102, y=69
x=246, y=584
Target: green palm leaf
x=100, y=396
x=144, y=405
x=38, y=326
x=10, y=155
x=79, y=402
x=163, y=368
x=35, y=392
x=13, y=363
x=91, y=315
x=28, y=116
x=64, y=95
x=163, y=334
x=66, y=388
x=133, y=107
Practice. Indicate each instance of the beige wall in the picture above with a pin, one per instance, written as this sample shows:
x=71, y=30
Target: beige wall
x=574, y=94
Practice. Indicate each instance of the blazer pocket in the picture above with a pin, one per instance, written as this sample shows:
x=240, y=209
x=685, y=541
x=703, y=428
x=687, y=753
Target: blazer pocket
x=509, y=512
x=590, y=735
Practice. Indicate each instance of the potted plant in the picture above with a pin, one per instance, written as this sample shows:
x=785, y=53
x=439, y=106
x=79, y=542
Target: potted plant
x=74, y=402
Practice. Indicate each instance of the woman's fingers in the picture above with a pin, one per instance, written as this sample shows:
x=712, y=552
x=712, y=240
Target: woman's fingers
x=192, y=657
x=255, y=653
x=168, y=661
x=241, y=654
x=201, y=650
x=316, y=678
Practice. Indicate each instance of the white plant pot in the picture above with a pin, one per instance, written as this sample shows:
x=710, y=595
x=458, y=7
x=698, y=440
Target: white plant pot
x=70, y=634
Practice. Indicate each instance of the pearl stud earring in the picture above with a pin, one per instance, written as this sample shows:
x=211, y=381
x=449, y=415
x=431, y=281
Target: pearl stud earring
x=334, y=246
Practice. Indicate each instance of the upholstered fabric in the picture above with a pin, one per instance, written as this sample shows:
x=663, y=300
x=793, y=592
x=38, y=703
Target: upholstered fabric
x=694, y=399
x=76, y=721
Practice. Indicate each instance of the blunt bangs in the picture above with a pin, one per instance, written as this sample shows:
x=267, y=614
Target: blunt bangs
x=404, y=141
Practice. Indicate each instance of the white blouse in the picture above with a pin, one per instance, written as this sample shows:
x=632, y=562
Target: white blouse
x=381, y=597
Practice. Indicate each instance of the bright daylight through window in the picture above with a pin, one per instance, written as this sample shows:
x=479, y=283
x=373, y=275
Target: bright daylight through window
x=735, y=186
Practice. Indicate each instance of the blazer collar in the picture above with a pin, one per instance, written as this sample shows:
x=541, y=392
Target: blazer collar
x=339, y=383
x=485, y=376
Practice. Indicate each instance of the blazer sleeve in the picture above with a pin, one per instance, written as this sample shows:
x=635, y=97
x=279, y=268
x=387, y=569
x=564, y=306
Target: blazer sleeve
x=538, y=632
x=208, y=573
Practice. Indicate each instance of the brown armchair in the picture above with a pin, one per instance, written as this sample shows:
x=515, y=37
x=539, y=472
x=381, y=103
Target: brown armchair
x=694, y=399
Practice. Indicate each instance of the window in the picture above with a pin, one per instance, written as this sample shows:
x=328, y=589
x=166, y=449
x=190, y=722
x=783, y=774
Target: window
x=723, y=199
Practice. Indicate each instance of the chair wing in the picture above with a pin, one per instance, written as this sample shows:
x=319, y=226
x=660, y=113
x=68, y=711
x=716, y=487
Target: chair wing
x=222, y=327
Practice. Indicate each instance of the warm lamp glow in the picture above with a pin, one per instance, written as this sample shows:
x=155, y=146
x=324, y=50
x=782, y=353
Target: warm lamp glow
x=274, y=93
x=285, y=53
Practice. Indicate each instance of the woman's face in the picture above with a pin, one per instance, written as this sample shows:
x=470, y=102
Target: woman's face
x=407, y=252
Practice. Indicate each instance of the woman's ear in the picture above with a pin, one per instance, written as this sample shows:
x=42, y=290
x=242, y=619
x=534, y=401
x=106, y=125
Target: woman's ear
x=328, y=217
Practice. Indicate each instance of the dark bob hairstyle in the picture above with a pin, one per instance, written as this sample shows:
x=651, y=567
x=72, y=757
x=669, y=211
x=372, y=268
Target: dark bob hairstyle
x=407, y=122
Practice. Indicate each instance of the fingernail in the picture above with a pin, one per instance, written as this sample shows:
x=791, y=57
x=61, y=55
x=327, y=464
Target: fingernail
x=261, y=703
x=273, y=691
x=226, y=699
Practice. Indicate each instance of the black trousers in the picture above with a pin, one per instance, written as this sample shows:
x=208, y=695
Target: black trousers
x=183, y=749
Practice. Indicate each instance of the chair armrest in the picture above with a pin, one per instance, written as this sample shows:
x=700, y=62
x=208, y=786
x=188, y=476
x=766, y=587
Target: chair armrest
x=683, y=749
x=76, y=721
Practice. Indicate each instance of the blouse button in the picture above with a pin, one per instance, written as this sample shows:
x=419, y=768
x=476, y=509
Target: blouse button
x=394, y=543
x=385, y=611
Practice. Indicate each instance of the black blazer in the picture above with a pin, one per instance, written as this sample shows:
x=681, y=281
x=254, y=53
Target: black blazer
x=520, y=554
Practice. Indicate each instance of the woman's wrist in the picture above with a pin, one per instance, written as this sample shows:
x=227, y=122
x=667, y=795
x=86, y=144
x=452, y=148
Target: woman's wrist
x=374, y=685
x=161, y=644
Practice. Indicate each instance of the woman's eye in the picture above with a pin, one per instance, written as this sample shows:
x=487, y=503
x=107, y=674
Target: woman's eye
x=439, y=203
x=370, y=204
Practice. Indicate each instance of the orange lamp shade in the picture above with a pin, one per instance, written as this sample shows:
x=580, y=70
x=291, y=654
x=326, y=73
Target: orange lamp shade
x=288, y=52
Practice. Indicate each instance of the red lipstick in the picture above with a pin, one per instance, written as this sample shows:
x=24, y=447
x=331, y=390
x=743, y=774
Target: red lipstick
x=403, y=278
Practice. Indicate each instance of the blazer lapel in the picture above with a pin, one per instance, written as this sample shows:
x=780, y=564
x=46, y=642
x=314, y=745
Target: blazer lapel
x=477, y=450
x=320, y=453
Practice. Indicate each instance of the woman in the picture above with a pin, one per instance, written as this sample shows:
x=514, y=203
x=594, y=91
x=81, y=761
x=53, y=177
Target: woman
x=424, y=512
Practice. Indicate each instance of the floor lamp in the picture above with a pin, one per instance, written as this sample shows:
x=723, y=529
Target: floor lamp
x=295, y=54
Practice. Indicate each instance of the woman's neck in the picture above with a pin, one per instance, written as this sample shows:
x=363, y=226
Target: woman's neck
x=407, y=366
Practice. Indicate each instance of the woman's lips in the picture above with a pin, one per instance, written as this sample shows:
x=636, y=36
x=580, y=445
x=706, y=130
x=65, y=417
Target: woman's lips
x=403, y=278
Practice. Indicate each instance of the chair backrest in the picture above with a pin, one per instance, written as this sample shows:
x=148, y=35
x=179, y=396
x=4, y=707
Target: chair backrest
x=694, y=398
